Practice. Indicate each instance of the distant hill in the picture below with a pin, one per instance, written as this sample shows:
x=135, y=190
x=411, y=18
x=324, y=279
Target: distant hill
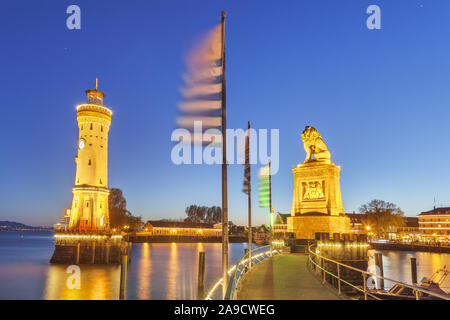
x=12, y=226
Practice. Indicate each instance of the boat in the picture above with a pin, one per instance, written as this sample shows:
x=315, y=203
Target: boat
x=432, y=284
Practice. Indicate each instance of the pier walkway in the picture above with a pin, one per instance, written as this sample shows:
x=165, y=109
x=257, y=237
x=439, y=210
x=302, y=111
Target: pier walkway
x=284, y=277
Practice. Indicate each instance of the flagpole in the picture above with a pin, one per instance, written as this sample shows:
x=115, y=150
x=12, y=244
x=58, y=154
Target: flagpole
x=270, y=208
x=250, y=235
x=224, y=171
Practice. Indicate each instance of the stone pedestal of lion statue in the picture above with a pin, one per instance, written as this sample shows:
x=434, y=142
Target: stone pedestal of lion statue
x=317, y=202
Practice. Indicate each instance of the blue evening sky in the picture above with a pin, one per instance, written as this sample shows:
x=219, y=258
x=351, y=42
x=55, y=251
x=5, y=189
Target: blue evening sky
x=380, y=99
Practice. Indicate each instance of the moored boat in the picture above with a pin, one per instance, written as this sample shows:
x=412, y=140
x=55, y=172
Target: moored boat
x=431, y=284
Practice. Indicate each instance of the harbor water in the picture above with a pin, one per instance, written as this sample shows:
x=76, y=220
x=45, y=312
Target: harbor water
x=157, y=271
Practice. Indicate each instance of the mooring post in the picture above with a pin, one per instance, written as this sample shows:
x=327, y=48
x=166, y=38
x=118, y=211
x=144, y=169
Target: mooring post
x=93, y=252
x=130, y=247
x=107, y=253
x=414, y=270
x=78, y=252
x=123, y=277
x=201, y=275
x=379, y=264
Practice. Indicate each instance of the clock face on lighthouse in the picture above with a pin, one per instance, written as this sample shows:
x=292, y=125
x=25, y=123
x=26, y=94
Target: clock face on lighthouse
x=81, y=144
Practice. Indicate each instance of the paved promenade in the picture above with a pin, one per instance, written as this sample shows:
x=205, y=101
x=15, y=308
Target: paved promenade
x=283, y=277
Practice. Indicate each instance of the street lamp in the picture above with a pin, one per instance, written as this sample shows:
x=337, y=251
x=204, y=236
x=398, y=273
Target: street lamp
x=368, y=231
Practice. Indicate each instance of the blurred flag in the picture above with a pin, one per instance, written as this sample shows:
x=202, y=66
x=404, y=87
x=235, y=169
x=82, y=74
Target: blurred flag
x=264, y=187
x=246, y=185
x=271, y=217
x=202, y=92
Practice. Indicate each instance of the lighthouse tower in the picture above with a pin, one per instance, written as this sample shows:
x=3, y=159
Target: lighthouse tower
x=90, y=195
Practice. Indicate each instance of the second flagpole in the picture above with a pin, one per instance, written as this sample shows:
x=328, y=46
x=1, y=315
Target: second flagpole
x=249, y=201
x=270, y=208
x=224, y=171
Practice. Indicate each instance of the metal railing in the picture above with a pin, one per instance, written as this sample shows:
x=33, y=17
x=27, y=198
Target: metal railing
x=314, y=258
x=238, y=271
x=242, y=267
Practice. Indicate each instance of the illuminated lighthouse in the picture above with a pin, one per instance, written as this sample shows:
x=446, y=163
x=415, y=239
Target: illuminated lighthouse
x=90, y=195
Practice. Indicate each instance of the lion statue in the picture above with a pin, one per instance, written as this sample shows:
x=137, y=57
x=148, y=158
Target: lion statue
x=314, y=146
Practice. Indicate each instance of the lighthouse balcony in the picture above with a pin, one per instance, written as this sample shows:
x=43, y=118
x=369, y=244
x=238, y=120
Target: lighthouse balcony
x=94, y=107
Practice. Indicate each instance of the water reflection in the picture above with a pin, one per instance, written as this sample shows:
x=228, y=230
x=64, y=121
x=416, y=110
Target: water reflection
x=172, y=272
x=97, y=283
x=145, y=273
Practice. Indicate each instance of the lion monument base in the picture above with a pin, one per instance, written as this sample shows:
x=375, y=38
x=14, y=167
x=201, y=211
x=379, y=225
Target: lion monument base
x=317, y=202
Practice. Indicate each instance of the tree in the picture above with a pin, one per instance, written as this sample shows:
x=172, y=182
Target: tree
x=214, y=215
x=217, y=215
x=119, y=216
x=235, y=229
x=210, y=215
x=382, y=217
x=192, y=213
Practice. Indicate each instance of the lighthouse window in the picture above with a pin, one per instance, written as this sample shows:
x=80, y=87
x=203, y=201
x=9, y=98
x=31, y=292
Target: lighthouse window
x=101, y=183
x=89, y=162
x=101, y=128
x=91, y=126
x=87, y=204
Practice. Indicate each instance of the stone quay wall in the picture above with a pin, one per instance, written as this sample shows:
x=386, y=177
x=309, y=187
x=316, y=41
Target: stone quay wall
x=87, y=252
x=409, y=247
x=350, y=250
